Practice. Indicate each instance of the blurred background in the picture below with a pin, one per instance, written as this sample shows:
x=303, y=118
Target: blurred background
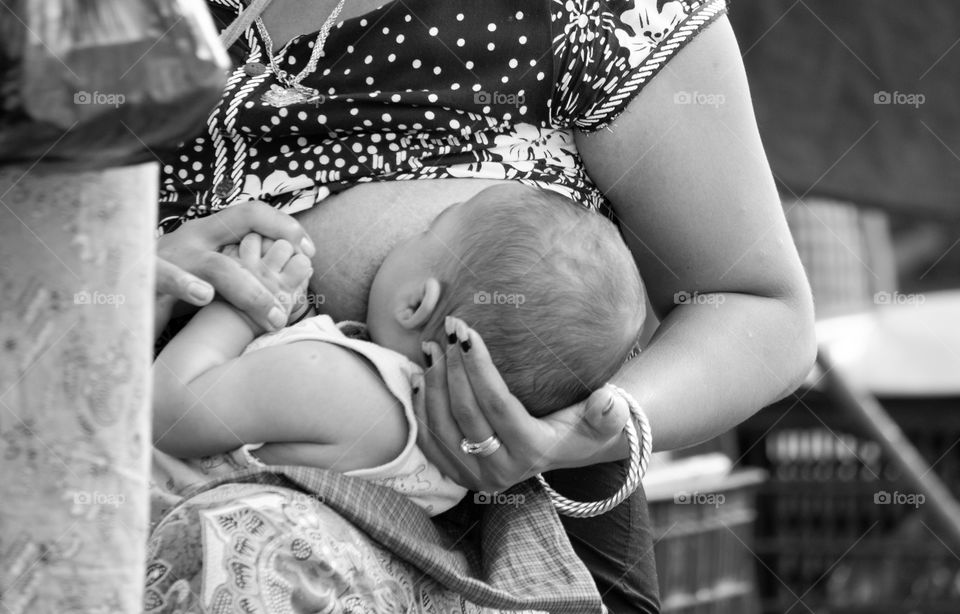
x=842, y=497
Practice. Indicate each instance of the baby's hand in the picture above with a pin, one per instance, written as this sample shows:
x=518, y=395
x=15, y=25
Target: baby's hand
x=278, y=266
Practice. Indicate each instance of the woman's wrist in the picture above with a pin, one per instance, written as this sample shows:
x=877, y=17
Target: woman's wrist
x=615, y=448
x=640, y=443
x=596, y=416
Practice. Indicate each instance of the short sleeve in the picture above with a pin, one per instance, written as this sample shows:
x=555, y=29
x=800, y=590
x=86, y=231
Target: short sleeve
x=606, y=51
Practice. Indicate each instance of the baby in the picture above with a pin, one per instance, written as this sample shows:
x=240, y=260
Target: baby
x=548, y=285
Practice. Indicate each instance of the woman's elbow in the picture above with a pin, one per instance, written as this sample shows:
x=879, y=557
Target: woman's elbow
x=802, y=339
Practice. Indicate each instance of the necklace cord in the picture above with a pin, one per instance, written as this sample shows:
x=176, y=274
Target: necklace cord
x=239, y=25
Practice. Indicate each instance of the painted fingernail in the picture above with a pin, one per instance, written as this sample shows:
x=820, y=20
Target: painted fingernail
x=277, y=317
x=307, y=247
x=200, y=291
x=463, y=336
x=450, y=327
x=427, y=356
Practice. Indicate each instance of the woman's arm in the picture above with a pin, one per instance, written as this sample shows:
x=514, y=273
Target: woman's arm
x=700, y=211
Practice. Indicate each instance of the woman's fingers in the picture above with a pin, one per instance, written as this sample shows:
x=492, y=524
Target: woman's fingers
x=501, y=411
x=521, y=436
x=463, y=402
x=530, y=445
x=174, y=281
x=194, y=247
x=234, y=222
x=605, y=415
x=240, y=288
x=439, y=435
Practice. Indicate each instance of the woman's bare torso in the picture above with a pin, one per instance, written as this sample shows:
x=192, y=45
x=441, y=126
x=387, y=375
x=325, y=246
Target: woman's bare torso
x=354, y=230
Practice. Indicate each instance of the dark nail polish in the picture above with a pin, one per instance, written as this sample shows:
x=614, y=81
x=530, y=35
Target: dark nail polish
x=428, y=358
x=452, y=338
x=416, y=390
x=465, y=345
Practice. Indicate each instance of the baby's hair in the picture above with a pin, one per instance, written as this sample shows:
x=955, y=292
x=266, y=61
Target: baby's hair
x=552, y=289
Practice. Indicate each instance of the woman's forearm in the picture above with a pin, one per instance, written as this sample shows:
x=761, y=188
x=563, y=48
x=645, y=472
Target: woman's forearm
x=738, y=353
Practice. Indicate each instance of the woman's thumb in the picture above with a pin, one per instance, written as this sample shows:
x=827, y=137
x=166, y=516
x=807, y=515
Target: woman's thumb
x=606, y=413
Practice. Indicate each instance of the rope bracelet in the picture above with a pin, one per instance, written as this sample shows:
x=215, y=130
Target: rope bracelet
x=639, y=459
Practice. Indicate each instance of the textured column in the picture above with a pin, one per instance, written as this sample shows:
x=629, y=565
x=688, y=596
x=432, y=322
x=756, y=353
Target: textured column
x=76, y=304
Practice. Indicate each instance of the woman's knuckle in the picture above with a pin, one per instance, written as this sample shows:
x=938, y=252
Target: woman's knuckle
x=497, y=405
x=212, y=264
x=462, y=413
x=243, y=209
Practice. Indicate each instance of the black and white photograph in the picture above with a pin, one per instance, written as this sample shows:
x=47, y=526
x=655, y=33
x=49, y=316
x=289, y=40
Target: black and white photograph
x=479, y=306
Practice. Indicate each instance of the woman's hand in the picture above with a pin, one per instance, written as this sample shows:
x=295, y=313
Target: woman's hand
x=194, y=249
x=463, y=396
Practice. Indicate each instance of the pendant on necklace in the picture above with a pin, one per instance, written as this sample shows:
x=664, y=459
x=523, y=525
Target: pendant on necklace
x=278, y=96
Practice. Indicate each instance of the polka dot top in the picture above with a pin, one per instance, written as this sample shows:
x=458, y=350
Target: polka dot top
x=427, y=89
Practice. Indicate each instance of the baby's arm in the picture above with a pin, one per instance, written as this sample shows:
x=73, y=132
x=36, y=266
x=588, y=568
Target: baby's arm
x=208, y=399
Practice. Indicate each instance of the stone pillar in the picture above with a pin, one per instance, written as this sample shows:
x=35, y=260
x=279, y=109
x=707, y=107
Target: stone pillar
x=76, y=311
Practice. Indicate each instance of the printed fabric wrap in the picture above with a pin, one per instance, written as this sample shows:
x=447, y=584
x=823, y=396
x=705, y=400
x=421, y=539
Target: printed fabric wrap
x=295, y=539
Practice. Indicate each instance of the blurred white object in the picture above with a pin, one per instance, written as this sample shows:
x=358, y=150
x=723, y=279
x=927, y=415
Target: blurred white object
x=663, y=479
x=909, y=345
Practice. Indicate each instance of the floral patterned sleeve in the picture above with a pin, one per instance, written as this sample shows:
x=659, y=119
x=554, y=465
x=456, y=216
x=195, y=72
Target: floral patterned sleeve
x=605, y=51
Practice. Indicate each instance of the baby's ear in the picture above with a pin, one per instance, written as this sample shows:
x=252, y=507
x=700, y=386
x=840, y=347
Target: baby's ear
x=419, y=304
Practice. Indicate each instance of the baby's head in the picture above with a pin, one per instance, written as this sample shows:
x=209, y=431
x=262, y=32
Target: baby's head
x=549, y=286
